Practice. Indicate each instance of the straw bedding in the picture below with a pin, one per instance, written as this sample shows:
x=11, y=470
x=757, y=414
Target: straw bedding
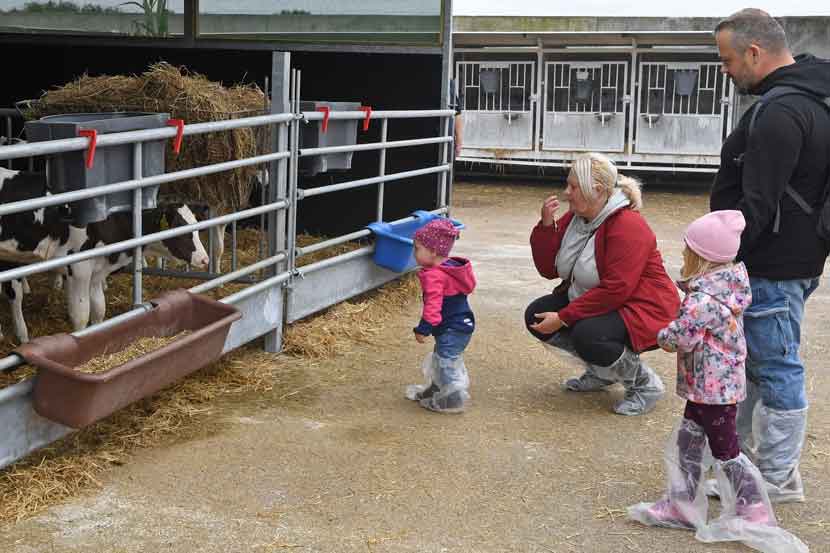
x=142, y=346
x=64, y=469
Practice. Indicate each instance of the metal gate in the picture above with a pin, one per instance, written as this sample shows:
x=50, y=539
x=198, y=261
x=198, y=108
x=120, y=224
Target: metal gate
x=498, y=104
x=585, y=106
x=681, y=108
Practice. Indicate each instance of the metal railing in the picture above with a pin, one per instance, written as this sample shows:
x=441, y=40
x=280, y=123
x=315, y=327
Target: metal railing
x=288, y=252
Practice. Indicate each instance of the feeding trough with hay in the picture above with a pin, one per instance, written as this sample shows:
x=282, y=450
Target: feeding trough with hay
x=76, y=398
x=164, y=88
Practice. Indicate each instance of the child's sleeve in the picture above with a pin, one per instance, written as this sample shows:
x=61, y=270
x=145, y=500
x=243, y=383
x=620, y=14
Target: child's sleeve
x=432, y=284
x=687, y=331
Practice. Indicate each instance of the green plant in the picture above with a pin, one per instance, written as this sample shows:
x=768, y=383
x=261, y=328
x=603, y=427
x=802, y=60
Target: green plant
x=156, y=17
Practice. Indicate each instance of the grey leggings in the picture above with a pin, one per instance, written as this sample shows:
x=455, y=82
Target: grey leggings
x=598, y=340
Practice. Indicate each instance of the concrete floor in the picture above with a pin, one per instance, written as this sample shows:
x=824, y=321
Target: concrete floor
x=354, y=467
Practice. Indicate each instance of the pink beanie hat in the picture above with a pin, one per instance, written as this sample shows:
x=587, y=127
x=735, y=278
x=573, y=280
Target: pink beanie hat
x=716, y=236
x=438, y=235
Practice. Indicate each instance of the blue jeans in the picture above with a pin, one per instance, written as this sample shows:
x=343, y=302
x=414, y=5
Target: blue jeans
x=449, y=347
x=772, y=325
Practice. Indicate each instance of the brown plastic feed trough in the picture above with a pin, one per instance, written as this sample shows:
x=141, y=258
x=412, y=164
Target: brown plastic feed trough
x=77, y=399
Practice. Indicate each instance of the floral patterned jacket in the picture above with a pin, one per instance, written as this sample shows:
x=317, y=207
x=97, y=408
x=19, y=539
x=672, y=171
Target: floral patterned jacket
x=709, y=337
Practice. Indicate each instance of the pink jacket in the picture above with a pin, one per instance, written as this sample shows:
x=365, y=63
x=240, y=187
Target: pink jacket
x=709, y=337
x=445, y=289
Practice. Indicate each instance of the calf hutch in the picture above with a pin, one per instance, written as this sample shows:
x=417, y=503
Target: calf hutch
x=646, y=91
x=243, y=150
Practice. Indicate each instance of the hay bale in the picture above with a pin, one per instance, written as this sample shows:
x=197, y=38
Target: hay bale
x=184, y=95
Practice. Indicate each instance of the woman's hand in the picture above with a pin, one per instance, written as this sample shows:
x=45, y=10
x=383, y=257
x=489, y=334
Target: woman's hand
x=549, y=208
x=549, y=324
x=668, y=348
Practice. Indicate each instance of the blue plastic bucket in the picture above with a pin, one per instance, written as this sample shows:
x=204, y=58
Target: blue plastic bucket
x=393, y=241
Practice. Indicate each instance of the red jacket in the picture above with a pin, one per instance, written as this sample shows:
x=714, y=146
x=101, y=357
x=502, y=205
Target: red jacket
x=445, y=290
x=632, y=278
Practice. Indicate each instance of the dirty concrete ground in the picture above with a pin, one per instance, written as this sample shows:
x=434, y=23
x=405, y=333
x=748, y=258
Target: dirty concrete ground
x=354, y=467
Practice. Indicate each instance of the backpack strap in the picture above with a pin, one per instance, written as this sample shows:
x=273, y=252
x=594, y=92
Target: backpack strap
x=766, y=98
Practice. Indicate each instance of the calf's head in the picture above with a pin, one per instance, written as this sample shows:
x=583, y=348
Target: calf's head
x=187, y=247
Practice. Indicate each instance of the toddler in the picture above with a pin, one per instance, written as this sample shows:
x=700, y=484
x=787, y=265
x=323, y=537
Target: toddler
x=445, y=282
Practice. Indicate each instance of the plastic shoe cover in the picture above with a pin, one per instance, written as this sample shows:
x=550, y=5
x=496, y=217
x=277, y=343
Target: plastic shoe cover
x=790, y=491
x=429, y=367
x=452, y=403
x=746, y=514
x=450, y=375
x=684, y=506
x=588, y=382
x=665, y=514
x=643, y=388
x=780, y=439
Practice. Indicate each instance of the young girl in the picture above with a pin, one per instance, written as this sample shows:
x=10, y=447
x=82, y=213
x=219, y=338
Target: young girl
x=709, y=340
x=446, y=282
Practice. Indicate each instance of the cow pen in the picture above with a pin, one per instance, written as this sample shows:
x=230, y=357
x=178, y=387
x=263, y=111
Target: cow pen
x=288, y=292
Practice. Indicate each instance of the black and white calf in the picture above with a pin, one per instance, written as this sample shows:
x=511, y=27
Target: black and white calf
x=43, y=234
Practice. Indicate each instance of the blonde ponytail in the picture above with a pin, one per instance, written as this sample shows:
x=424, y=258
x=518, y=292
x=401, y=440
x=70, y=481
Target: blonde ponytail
x=632, y=188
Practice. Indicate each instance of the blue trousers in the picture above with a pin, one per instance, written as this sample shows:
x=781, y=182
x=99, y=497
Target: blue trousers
x=772, y=325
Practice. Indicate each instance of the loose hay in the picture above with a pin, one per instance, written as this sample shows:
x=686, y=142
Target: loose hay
x=66, y=468
x=142, y=346
x=189, y=96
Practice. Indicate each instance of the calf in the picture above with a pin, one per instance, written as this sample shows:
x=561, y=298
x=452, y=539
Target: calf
x=44, y=234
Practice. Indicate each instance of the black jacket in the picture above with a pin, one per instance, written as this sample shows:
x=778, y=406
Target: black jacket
x=790, y=144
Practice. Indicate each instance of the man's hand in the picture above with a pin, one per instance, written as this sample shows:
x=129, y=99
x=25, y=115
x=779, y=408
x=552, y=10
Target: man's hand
x=549, y=324
x=420, y=338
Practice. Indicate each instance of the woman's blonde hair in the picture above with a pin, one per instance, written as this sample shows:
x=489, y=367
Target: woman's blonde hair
x=596, y=172
x=694, y=265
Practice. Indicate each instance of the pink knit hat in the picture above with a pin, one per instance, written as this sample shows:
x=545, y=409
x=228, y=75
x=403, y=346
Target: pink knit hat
x=716, y=236
x=438, y=236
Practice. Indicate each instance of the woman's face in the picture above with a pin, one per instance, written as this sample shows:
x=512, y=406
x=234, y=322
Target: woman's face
x=580, y=205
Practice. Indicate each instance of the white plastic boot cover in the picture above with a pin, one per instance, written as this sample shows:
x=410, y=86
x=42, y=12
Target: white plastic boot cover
x=746, y=513
x=429, y=367
x=684, y=506
x=780, y=439
x=453, y=384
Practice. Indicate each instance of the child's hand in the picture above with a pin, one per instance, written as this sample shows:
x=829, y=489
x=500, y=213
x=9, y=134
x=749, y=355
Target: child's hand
x=420, y=338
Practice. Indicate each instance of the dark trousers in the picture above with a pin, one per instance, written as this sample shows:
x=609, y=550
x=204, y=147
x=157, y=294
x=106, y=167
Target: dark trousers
x=718, y=422
x=598, y=340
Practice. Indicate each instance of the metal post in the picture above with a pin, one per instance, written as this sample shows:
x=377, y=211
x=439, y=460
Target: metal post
x=446, y=71
x=233, y=246
x=384, y=127
x=137, y=226
x=211, y=242
x=293, y=183
x=269, y=144
x=276, y=183
x=541, y=99
x=444, y=179
x=634, y=103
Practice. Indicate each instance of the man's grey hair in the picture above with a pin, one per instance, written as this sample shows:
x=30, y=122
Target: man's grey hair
x=753, y=26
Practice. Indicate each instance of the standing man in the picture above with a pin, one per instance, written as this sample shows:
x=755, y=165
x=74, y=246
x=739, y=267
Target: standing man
x=789, y=146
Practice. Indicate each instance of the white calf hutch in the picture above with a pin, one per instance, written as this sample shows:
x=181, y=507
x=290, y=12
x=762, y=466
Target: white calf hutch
x=649, y=100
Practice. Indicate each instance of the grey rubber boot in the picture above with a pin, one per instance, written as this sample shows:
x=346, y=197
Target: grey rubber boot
x=588, y=382
x=643, y=388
